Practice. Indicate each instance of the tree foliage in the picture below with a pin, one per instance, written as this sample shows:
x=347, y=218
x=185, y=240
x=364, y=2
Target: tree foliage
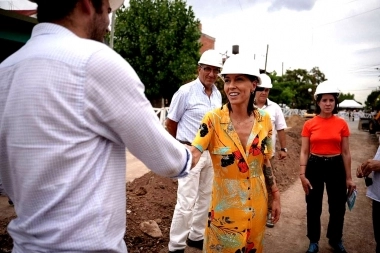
x=373, y=100
x=160, y=39
x=344, y=96
x=296, y=87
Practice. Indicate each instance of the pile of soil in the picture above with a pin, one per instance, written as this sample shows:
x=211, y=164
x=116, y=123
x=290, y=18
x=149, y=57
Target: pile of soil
x=152, y=197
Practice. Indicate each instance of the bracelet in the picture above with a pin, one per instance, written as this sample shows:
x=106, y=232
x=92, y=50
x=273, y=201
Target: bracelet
x=275, y=191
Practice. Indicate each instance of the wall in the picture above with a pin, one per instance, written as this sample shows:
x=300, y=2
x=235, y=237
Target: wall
x=207, y=41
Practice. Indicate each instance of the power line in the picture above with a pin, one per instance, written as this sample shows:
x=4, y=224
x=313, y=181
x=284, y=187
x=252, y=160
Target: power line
x=347, y=17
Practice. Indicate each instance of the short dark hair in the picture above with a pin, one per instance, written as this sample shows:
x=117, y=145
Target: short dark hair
x=319, y=97
x=250, y=107
x=51, y=11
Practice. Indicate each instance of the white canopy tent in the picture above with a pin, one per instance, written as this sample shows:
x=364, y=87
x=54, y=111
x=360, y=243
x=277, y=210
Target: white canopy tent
x=351, y=104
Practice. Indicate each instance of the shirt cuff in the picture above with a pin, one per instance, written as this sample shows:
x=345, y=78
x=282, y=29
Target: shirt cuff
x=187, y=166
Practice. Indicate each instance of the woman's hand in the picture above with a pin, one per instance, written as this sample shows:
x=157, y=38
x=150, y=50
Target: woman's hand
x=196, y=154
x=350, y=186
x=276, y=207
x=305, y=184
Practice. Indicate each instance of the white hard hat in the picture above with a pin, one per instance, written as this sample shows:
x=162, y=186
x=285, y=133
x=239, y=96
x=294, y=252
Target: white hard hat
x=211, y=58
x=326, y=88
x=114, y=4
x=241, y=64
x=266, y=82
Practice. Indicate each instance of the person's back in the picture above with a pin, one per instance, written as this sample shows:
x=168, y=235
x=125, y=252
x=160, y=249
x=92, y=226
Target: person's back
x=69, y=107
x=45, y=130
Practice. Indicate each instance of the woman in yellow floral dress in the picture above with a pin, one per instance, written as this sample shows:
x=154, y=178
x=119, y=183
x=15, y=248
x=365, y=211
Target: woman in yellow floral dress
x=238, y=137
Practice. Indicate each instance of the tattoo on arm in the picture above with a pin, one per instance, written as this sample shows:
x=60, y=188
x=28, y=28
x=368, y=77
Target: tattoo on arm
x=269, y=179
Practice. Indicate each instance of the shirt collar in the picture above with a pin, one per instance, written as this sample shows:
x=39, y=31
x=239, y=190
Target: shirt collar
x=50, y=28
x=267, y=103
x=201, y=86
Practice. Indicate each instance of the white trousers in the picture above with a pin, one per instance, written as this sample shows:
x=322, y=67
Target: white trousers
x=193, y=201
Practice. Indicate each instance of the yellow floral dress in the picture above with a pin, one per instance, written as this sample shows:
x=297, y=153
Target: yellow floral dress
x=238, y=209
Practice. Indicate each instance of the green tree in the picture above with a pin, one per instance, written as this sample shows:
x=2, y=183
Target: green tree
x=344, y=96
x=160, y=39
x=373, y=100
x=293, y=87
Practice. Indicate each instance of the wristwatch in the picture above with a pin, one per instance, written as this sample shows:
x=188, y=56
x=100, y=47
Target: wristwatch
x=284, y=149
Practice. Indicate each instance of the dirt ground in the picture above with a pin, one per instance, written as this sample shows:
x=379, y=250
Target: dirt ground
x=152, y=197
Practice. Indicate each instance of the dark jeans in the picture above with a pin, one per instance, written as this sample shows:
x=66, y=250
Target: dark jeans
x=329, y=171
x=376, y=223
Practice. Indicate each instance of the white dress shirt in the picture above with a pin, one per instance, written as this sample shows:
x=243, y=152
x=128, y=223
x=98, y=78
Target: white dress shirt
x=277, y=118
x=188, y=106
x=68, y=109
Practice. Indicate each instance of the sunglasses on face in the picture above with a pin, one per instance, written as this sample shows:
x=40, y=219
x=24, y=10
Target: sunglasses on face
x=261, y=89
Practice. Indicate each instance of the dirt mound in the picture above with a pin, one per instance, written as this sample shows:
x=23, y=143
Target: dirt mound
x=152, y=197
x=295, y=120
x=287, y=170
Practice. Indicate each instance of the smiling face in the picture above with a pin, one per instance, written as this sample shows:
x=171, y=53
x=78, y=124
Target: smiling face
x=238, y=88
x=208, y=74
x=327, y=103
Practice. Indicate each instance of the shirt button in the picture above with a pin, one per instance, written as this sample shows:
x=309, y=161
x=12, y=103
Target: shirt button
x=249, y=198
x=249, y=188
x=247, y=177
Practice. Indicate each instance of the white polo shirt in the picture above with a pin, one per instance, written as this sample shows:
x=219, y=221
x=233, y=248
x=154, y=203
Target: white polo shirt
x=277, y=118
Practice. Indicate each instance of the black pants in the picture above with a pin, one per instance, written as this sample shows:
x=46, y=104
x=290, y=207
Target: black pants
x=329, y=171
x=376, y=223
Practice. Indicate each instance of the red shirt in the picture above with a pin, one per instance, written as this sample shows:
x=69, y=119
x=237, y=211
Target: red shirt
x=325, y=134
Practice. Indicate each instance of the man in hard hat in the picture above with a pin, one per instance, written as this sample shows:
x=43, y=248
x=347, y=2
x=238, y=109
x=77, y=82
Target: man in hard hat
x=69, y=108
x=278, y=125
x=188, y=106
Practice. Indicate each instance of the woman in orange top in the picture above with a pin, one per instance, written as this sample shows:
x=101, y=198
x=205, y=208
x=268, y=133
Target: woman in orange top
x=238, y=136
x=325, y=159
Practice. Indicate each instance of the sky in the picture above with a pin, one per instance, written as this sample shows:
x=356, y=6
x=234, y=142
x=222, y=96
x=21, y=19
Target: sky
x=341, y=37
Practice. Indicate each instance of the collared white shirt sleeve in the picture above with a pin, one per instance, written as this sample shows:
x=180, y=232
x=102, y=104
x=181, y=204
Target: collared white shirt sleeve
x=117, y=108
x=178, y=105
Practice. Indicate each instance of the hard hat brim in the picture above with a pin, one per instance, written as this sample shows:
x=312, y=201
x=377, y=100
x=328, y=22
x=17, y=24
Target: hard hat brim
x=114, y=4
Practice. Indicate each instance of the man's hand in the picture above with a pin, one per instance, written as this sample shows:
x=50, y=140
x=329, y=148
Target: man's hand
x=367, y=167
x=282, y=155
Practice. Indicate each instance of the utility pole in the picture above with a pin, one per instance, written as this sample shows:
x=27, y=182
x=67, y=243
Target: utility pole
x=282, y=70
x=113, y=19
x=266, y=58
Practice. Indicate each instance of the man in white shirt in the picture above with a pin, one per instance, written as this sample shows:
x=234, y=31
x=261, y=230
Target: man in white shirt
x=278, y=125
x=69, y=107
x=188, y=106
x=370, y=170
